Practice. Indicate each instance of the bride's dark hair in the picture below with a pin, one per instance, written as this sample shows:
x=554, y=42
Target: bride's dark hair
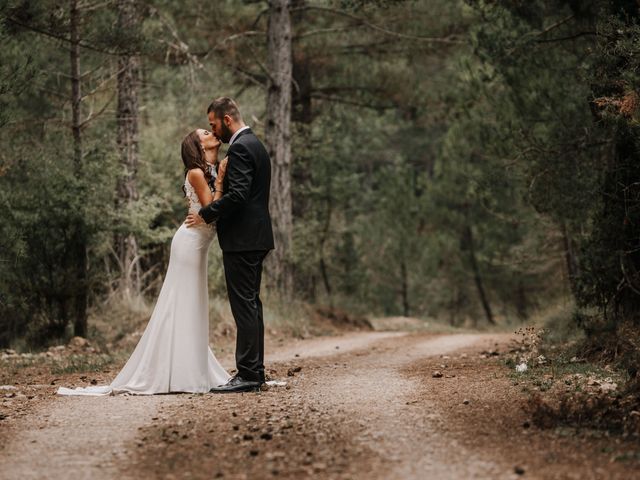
x=193, y=155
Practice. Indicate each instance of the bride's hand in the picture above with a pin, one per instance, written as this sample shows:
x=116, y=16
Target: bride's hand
x=222, y=171
x=222, y=168
x=193, y=220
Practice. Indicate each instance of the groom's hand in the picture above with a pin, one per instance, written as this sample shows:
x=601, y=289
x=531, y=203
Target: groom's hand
x=193, y=219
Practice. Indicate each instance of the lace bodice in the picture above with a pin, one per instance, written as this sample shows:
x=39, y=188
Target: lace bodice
x=194, y=203
x=192, y=196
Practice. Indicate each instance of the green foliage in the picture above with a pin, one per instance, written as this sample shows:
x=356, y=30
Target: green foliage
x=568, y=81
x=453, y=159
x=46, y=201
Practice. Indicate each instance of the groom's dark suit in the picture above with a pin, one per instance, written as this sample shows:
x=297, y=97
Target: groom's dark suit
x=245, y=237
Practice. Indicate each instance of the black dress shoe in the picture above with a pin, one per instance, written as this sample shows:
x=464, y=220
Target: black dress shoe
x=237, y=384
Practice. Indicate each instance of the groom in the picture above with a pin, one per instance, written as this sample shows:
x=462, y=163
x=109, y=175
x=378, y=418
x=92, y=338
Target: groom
x=245, y=237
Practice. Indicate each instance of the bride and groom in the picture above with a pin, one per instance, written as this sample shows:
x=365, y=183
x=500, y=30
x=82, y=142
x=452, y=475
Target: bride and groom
x=173, y=354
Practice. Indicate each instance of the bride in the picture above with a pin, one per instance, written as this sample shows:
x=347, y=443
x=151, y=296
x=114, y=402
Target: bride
x=173, y=354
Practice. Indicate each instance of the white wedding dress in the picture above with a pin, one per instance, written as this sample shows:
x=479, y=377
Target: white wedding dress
x=173, y=354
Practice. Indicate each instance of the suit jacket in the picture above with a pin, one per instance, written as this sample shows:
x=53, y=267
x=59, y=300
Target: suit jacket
x=242, y=214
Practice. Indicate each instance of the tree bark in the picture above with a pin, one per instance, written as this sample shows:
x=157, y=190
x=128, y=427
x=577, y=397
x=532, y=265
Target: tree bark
x=323, y=238
x=571, y=261
x=127, y=120
x=76, y=95
x=278, y=139
x=80, y=235
x=469, y=243
x=405, y=288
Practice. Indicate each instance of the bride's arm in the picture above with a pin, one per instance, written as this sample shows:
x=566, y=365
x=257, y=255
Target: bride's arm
x=199, y=184
x=201, y=187
x=222, y=171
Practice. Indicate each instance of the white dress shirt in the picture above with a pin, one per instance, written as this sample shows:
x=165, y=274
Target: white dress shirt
x=235, y=135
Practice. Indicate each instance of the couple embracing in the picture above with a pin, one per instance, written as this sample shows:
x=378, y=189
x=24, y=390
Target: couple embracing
x=231, y=198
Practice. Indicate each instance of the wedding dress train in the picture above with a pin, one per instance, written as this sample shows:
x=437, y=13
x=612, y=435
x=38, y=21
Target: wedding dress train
x=173, y=354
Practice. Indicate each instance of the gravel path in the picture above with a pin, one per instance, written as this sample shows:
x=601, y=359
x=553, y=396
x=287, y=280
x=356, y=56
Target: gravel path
x=90, y=437
x=409, y=443
x=348, y=414
x=358, y=406
x=77, y=437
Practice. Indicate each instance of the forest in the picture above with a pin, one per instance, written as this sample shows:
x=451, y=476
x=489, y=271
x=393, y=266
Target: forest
x=455, y=197
x=470, y=161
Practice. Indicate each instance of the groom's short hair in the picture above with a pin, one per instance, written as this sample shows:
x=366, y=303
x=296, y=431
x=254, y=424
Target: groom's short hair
x=225, y=106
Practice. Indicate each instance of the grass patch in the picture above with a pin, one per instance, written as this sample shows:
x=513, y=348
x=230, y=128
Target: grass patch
x=81, y=364
x=292, y=318
x=568, y=386
x=628, y=457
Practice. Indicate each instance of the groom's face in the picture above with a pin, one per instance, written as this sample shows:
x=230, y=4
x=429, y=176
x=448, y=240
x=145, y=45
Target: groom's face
x=219, y=128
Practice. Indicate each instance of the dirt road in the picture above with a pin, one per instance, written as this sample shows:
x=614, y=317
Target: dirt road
x=364, y=405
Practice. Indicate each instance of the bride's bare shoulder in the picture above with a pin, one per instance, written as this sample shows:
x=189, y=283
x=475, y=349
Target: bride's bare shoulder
x=194, y=175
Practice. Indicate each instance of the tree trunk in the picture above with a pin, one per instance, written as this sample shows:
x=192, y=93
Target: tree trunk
x=521, y=302
x=323, y=238
x=76, y=95
x=468, y=241
x=570, y=260
x=278, y=139
x=325, y=280
x=405, y=288
x=80, y=236
x=302, y=118
x=127, y=119
x=454, y=305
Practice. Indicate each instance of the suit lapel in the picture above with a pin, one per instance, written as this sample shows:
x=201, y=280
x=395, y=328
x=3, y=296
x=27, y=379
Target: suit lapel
x=244, y=132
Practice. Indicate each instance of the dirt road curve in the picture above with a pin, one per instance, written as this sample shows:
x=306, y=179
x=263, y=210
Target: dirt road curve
x=361, y=406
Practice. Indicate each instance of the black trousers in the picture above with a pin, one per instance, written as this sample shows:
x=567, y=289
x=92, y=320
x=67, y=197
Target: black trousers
x=243, y=274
